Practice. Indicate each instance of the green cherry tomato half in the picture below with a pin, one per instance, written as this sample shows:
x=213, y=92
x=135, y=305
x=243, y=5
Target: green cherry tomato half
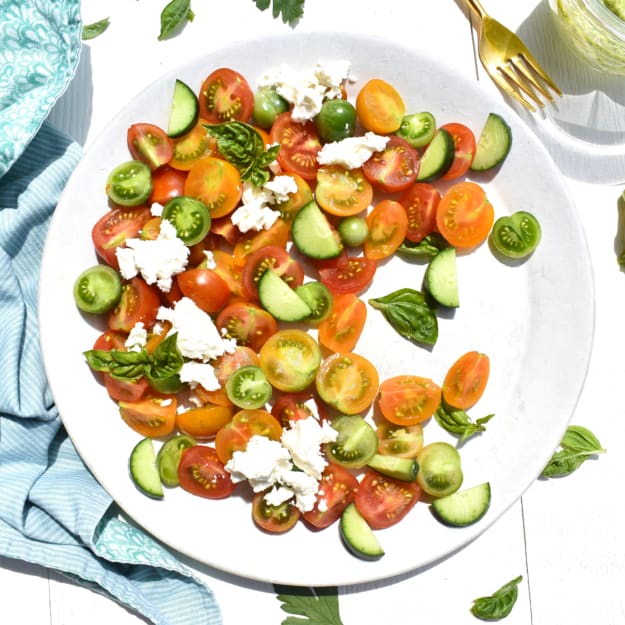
x=248, y=388
x=356, y=443
x=353, y=231
x=190, y=217
x=517, y=235
x=336, y=120
x=319, y=299
x=130, y=183
x=98, y=289
x=268, y=104
x=440, y=471
x=417, y=129
x=168, y=458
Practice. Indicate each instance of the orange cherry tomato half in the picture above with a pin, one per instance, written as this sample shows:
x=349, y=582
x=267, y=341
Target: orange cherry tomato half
x=388, y=225
x=465, y=146
x=464, y=215
x=342, y=192
x=277, y=234
x=394, y=168
x=299, y=145
x=466, y=380
x=229, y=272
x=205, y=287
x=152, y=416
x=205, y=421
x=341, y=329
x=420, y=202
x=225, y=95
x=380, y=107
x=193, y=147
x=399, y=440
x=408, y=399
x=201, y=473
x=215, y=182
x=348, y=381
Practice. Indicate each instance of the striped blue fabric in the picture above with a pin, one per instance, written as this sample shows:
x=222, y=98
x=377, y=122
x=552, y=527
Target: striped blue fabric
x=52, y=511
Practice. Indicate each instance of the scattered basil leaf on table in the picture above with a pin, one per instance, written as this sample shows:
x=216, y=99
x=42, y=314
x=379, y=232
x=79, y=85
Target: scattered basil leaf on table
x=290, y=10
x=428, y=247
x=499, y=604
x=243, y=146
x=318, y=606
x=175, y=14
x=91, y=31
x=129, y=366
x=458, y=422
x=410, y=315
x=577, y=445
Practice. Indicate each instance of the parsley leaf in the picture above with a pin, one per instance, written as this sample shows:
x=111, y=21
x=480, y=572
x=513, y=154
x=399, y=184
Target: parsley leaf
x=290, y=10
x=318, y=606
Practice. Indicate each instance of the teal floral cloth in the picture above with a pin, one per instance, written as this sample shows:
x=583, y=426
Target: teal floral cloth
x=40, y=44
x=52, y=511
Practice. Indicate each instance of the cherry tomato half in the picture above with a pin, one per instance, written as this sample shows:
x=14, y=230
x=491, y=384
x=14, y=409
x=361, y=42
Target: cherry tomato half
x=347, y=274
x=341, y=329
x=299, y=145
x=247, y=323
x=408, y=399
x=387, y=224
x=380, y=107
x=139, y=303
x=466, y=380
x=226, y=95
x=394, y=168
x=150, y=144
x=342, y=192
x=275, y=519
x=152, y=416
x=464, y=152
x=420, y=202
x=205, y=287
x=201, y=473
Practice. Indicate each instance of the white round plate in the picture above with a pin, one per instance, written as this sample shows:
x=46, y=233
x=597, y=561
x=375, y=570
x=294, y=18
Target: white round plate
x=534, y=320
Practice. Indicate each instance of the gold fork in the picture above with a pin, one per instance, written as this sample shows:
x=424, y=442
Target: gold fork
x=509, y=63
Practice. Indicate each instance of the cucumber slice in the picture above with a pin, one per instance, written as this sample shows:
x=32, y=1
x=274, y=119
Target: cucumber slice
x=184, y=111
x=358, y=536
x=438, y=156
x=463, y=507
x=404, y=469
x=493, y=144
x=279, y=299
x=313, y=234
x=144, y=470
x=441, y=278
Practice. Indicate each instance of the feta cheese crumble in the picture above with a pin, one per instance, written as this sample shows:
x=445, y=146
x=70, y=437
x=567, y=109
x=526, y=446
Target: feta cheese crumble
x=351, y=152
x=202, y=373
x=198, y=336
x=156, y=260
x=306, y=91
x=137, y=338
x=288, y=469
x=255, y=212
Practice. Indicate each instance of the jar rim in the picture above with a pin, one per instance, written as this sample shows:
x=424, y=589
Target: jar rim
x=606, y=17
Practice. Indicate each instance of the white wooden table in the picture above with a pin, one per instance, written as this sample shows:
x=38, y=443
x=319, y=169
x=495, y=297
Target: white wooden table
x=565, y=536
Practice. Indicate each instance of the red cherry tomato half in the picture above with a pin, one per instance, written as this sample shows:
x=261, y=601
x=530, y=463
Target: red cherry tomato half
x=278, y=260
x=299, y=145
x=465, y=146
x=201, y=473
x=150, y=144
x=225, y=95
x=296, y=406
x=420, y=202
x=394, y=168
x=167, y=183
x=247, y=323
x=205, y=287
x=347, y=274
x=139, y=303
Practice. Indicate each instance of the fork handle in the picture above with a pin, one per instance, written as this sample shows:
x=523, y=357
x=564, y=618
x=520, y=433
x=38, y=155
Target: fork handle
x=477, y=8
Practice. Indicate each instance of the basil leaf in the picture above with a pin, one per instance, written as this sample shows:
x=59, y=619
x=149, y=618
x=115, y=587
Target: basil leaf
x=243, y=146
x=410, y=315
x=318, y=606
x=166, y=360
x=459, y=422
x=121, y=365
x=290, y=10
x=578, y=445
x=428, y=247
x=174, y=16
x=91, y=31
x=499, y=604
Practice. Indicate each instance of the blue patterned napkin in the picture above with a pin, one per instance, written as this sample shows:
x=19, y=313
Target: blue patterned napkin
x=52, y=511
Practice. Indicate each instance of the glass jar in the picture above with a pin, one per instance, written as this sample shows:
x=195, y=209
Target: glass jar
x=595, y=32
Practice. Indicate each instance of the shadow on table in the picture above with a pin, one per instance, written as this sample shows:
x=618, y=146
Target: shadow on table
x=72, y=113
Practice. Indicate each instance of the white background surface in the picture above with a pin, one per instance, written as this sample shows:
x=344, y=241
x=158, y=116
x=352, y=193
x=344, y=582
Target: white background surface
x=564, y=536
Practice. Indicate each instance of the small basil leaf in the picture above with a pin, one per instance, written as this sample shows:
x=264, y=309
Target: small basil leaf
x=174, y=16
x=578, y=445
x=409, y=314
x=499, y=604
x=459, y=422
x=91, y=31
x=578, y=438
x=166, y=360
x=120, y=365
x=428, y=247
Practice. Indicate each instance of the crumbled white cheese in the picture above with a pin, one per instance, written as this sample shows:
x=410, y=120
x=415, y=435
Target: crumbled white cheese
x=201, y=373
x=306, y=91
x=156, y=209
x=137, y=337
x=156, y=260
x=351, y=152
x=303, y=438
x=255, y=212
x=210, y=259
x=198, y=337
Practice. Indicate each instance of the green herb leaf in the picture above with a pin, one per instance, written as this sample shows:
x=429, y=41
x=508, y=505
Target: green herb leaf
x=428, y=247
x=166, y=359
x=290, y=10
x=174, y=16
x=577, y=445
x=499, y=604
x=459, y=422
x=243, y=146
x=91, y=31
x=410, y=315
x=318, y=606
